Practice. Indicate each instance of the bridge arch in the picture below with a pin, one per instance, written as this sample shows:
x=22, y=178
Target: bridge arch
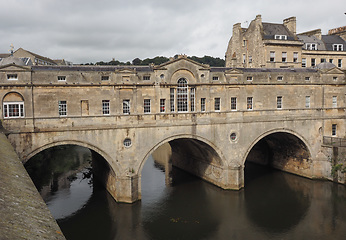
x=223, y=161
x=283, y=149
x=72, y=142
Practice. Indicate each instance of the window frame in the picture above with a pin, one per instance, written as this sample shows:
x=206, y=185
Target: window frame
x=249, y=103
x=8, y=109
x=105, y=107
x=203, y=105
x=217, y=104
x=279, y=102
x=334, y=129
x=126, y=106
x=62, y=110
x=233, y=103
x=146, y=105
x=334, y=101
x=162, y=105
x=61, y=78
x=307, y=101
x=12, y=77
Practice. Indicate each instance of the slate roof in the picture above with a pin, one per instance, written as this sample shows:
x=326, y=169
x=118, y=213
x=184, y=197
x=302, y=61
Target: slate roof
x=91, y=68
x=272, y=29
x=312, y=39
x=299, y=70
x=329, y=40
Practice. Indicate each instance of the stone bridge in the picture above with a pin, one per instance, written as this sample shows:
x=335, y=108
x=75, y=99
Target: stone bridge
x=214, y=119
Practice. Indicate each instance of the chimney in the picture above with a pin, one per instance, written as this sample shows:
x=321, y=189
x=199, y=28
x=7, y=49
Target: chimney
x=290, y=23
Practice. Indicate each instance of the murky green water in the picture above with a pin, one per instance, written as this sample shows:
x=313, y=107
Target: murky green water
x=274, y=205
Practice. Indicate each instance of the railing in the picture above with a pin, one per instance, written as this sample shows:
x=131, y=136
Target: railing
x=334, y=141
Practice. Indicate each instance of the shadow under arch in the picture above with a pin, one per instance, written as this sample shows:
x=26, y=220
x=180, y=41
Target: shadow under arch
x=287, y=196
x=193, y=154
x=282, y=149
x=70, y=142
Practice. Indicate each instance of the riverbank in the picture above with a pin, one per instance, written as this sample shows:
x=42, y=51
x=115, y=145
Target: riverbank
x=23, y=213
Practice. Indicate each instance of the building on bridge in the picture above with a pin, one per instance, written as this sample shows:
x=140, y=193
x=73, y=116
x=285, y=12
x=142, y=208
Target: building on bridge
x=214, y=119
x=274, y=45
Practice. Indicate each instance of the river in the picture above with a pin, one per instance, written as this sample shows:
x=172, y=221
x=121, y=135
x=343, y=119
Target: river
x=273, y=205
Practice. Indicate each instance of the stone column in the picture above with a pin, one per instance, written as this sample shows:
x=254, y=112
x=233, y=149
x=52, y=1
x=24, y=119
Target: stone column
x=125, y=188
x=234, y=177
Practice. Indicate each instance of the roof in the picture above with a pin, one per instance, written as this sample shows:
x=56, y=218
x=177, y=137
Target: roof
x=91, y=68
x=329, y=40
x=279, y=70
x=312, y=39
x=38, y=56
x=12, y=60
x=272, y=29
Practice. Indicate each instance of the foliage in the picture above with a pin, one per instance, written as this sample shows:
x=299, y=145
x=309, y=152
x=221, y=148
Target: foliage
x=211, y=61
x=338, y=167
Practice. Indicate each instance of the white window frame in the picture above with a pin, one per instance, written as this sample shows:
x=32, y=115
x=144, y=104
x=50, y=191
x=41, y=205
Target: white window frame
x=62, y=108
x=146, y=77
x=304, y=62
x=279, y=78
x=126, y=106
x=272, y=56
x=105, y=107
x=280, y=37
x=284, y=57
x=182, y=95
x=172, y=99
x=249, y=78
x=192, y=99
x=338, y=47
x=215, y=78
x=8, y=109
x=105, y=78
x=339, y=63
x=147, y=106
x=311, y=46
x=295, y=57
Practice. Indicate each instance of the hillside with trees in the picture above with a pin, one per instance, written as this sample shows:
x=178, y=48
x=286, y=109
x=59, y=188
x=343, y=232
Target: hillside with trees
x=211, y=61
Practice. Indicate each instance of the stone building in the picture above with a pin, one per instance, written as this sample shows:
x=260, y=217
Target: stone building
x=272, y=45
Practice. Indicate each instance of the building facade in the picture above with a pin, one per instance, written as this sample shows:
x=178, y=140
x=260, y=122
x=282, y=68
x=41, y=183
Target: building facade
x=272, y=45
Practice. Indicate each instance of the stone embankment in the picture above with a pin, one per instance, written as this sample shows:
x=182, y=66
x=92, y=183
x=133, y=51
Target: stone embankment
x=23, y=213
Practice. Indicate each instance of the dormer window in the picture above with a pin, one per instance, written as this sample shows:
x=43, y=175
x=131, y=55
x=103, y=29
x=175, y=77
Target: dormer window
x=338, y=47
x=280, y=37
x=311, y=46
x=12, y=77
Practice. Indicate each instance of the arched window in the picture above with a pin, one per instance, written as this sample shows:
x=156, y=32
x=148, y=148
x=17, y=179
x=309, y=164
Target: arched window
x=13, y=105
x=182, y=95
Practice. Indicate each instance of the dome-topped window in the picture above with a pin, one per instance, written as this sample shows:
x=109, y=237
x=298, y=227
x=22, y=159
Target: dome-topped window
x=13, y=105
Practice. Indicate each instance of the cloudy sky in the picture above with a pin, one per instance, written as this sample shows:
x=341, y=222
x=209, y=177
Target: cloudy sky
x=93, y=30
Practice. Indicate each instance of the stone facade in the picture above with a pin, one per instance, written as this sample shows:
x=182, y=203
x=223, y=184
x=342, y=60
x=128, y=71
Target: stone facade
x=273, y=45
x=214, y=119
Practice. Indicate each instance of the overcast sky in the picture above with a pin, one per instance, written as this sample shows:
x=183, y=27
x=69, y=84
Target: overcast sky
x=84, y=31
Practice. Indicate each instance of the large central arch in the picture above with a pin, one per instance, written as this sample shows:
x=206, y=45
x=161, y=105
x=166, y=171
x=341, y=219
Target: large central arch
x=194, y=154
x=281, y=149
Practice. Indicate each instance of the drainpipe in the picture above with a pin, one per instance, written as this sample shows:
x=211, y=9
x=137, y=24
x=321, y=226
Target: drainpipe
x=32, y=101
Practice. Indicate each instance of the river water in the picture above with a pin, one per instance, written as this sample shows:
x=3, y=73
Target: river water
x=273, y=205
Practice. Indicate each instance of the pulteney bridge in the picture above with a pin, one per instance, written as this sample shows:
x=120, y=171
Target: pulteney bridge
x=214, y=119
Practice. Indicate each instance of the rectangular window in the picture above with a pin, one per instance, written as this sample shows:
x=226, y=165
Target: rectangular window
x=171, y=99
x=272, y=56
x=104, y=78
x=284, y=56
x=338, y=47
x=192, y=99
x=303, y=62
x=233, y=103
x=279, y=78
x=146, y=78
x=244, y=58
x=331, y=60
x=250, y=59
x=311, y=46
x=62, y=108
x=146, y=106
x=307, y=101
x=162, y=105
x=295, y=57
x=202, y=104
x=335, y=78
x=307, y=78
x=217, y=104
x=12, y=77
x=335, y=101
x=334, y=126
x=215, y=78
x=323, y=60
x=249, y=78
x=339, y=63
x=313, y=62
x=105, y=107
x=13, y=109
x=249, y=102
x=61, y=78
x=279, y=102
x=126, y=106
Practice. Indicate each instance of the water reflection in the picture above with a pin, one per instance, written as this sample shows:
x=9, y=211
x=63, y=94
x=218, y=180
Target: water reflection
x=274, y=205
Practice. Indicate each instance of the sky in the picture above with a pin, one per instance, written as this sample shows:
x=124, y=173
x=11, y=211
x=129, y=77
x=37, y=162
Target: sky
x=84, y=31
